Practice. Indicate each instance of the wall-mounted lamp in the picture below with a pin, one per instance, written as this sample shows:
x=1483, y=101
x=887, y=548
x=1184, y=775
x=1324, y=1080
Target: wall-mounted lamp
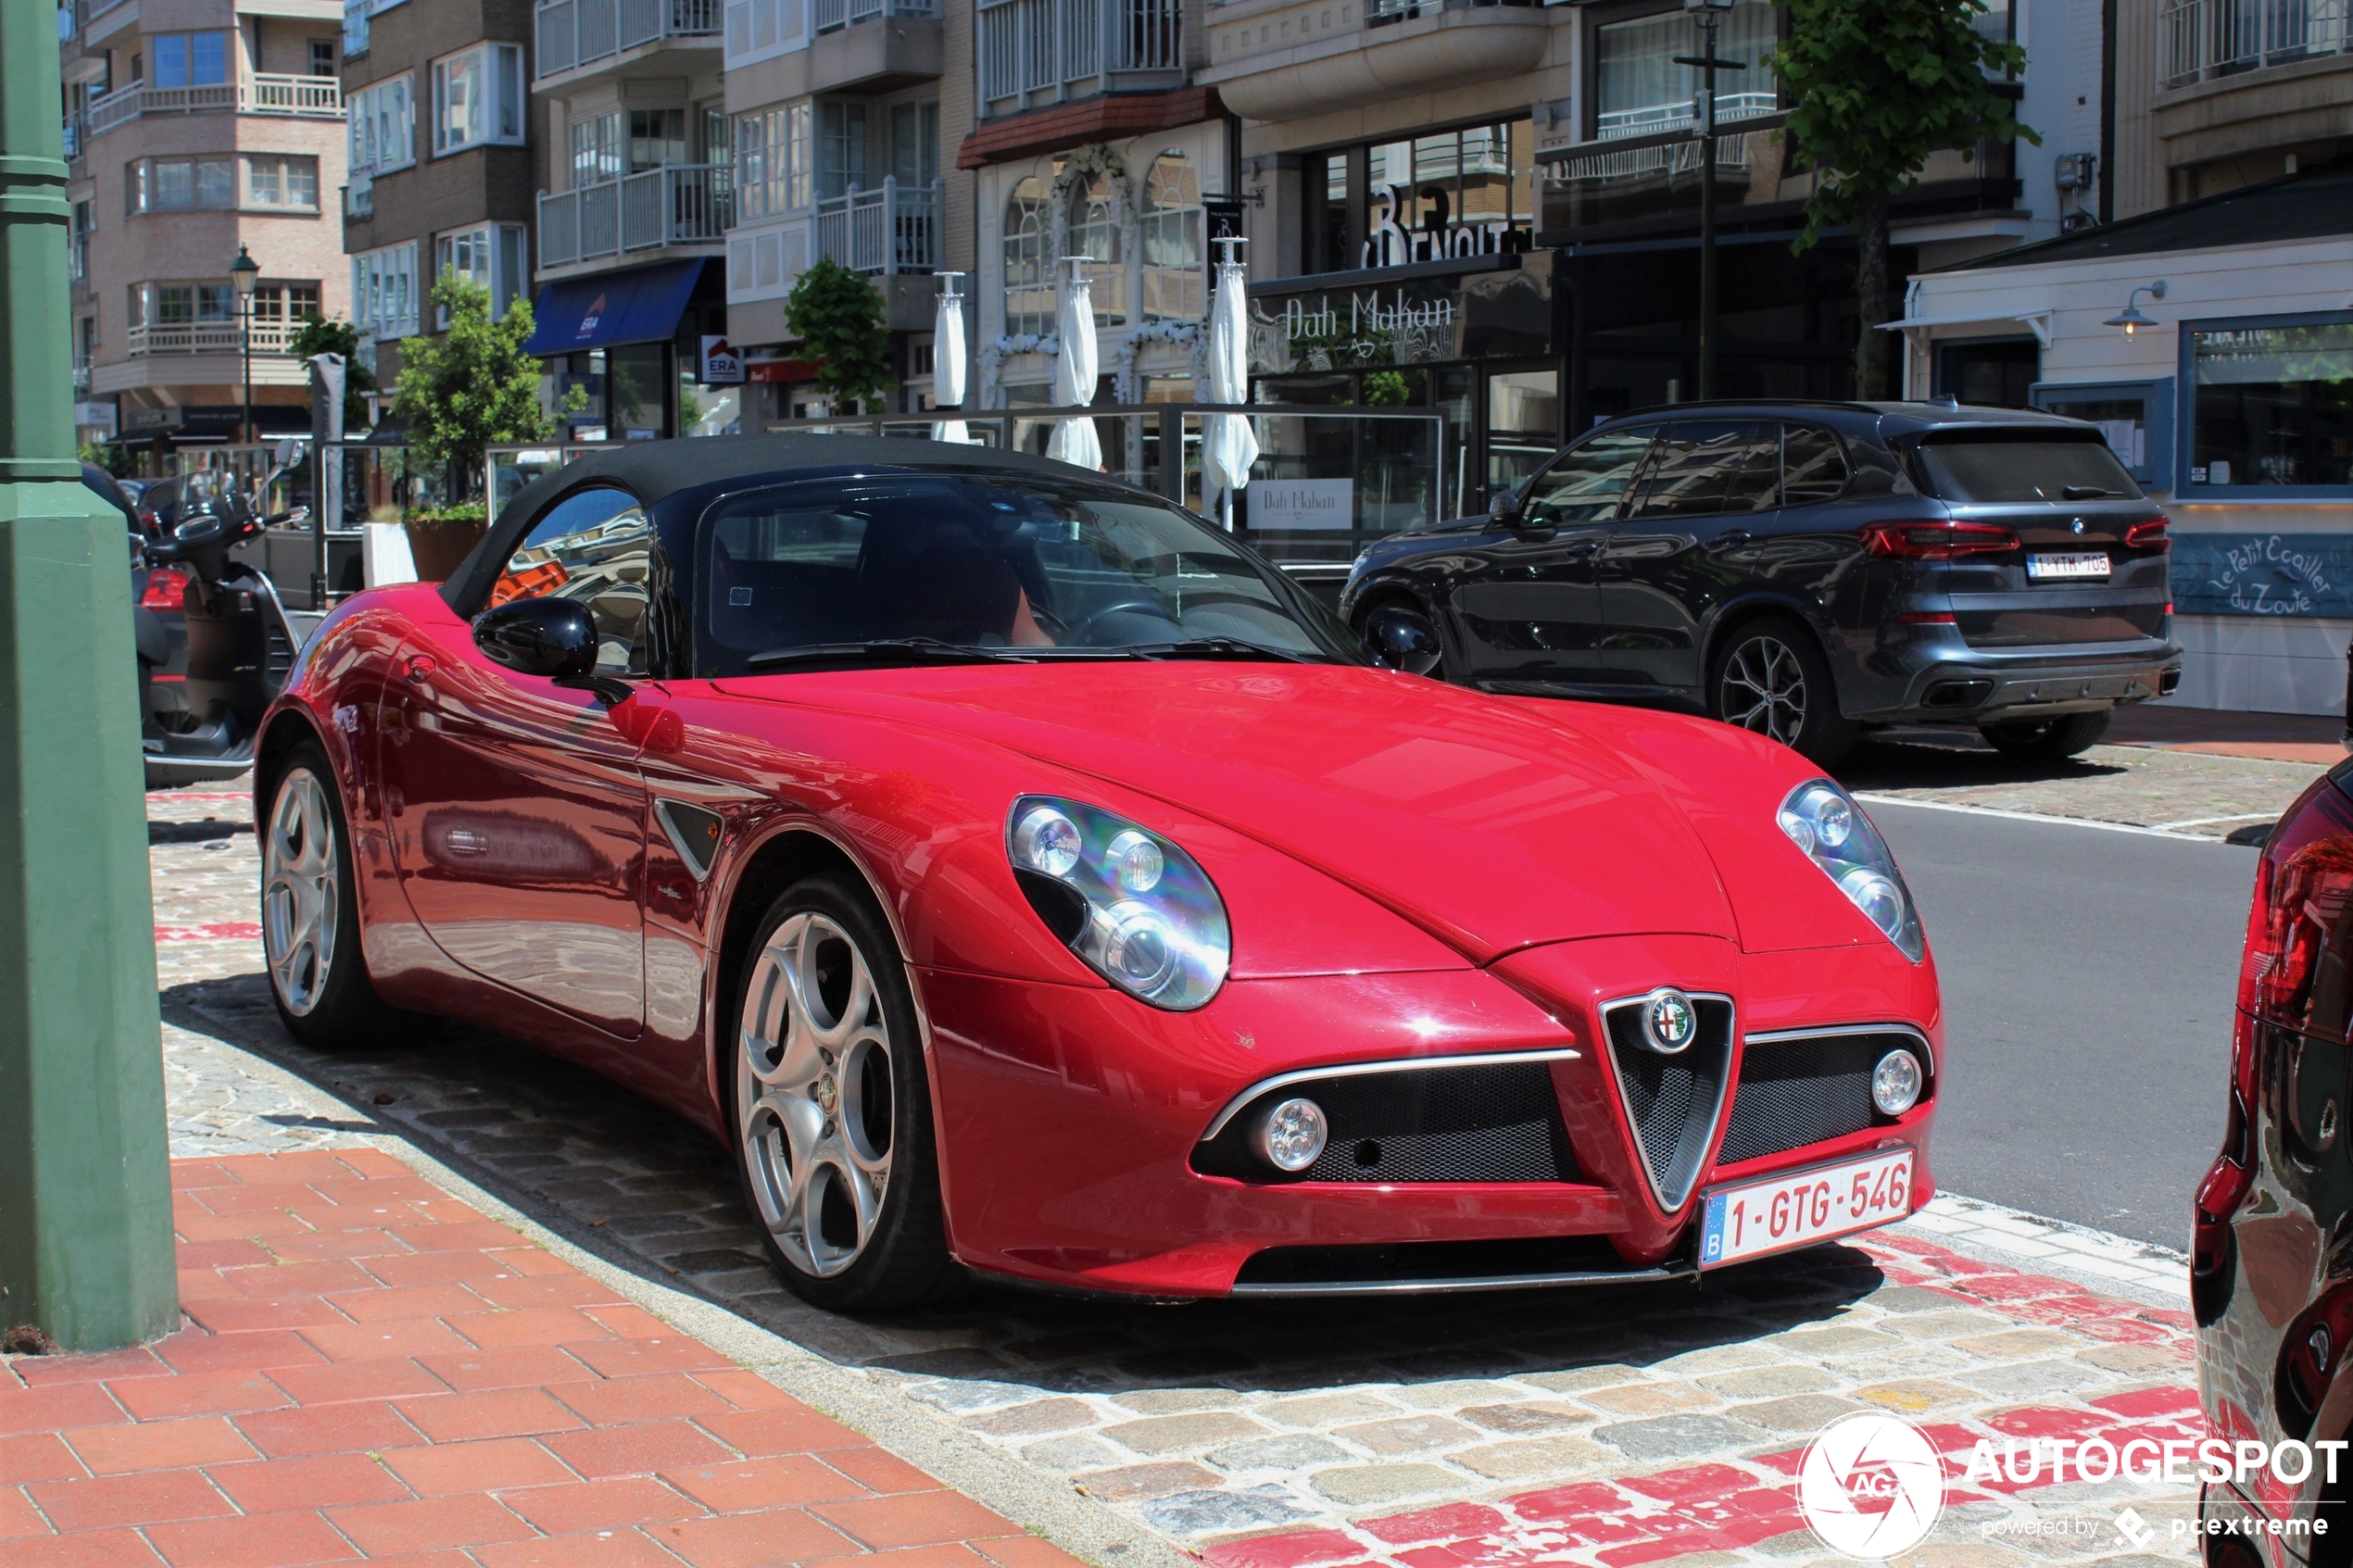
x=2132, y=318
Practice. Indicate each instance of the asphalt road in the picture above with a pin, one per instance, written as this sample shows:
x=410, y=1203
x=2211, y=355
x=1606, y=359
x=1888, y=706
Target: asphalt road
x=2089, y=980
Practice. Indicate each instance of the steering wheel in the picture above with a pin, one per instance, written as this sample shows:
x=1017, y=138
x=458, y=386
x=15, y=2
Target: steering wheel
x=1081, y=635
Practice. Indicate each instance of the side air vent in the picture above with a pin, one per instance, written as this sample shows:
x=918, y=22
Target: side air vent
x=693, y=832
x=1673, y=1099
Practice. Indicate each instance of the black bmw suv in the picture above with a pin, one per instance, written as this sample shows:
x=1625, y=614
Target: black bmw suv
x=1806, y=570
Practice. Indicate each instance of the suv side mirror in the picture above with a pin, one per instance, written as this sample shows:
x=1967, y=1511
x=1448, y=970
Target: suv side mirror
x=1403, y=640
x=539, y=637
x=1504, y=508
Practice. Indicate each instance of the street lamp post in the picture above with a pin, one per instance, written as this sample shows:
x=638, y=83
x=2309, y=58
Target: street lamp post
x=245, y=272
x=85, y=1192
x=1708, y=14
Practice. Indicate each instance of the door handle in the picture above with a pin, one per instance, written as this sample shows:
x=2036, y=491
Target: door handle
x=420, y=668
x=1734, y=536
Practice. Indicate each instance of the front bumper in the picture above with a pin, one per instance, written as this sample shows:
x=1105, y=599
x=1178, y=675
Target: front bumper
x=1071, y=1119
x=1947, y=682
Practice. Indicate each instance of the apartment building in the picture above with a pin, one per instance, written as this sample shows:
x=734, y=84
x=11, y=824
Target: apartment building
x=194, y=133
x=2207, y=327
x=837, y=113
x=637, y=196
x=441, y=168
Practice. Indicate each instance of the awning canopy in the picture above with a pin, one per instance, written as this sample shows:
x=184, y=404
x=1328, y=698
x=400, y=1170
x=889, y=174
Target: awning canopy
x=639, y=305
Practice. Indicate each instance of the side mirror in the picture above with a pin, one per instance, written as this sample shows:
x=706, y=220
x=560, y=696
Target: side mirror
x=1401, y=640
x=539, y=637
x=1504, y=508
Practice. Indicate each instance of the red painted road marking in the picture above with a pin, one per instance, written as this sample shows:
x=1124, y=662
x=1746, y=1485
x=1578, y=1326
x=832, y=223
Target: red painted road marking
x=220, y=931
x=1727, y=1506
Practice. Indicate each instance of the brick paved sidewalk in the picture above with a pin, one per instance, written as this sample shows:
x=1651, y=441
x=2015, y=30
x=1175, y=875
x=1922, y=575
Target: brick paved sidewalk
x=374, y=1372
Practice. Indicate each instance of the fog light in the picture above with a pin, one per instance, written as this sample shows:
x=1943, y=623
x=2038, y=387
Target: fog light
x=1291, y=1136
x=1895, y=1083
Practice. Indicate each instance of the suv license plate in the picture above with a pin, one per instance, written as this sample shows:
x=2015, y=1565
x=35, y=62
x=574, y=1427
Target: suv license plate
x=2061, y=568
x=1805, y=1206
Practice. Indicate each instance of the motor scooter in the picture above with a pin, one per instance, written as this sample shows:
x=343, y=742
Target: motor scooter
x=240, y=645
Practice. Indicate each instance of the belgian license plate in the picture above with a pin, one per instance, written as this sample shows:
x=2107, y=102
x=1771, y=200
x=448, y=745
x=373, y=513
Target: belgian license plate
x=2075, y=567
x=1805, y=1206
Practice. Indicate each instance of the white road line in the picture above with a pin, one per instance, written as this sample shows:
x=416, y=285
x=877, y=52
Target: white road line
x=1874, y=799
x=2202, y=821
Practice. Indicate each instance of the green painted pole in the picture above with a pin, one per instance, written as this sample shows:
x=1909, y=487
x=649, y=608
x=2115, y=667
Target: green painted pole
x=85, y=1192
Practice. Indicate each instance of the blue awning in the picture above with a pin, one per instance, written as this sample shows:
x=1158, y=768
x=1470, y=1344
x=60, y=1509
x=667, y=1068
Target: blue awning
x=641, y=305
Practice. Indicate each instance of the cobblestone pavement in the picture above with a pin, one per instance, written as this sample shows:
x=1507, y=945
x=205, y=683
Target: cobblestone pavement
x=1604, y=1427
x=2193, y=795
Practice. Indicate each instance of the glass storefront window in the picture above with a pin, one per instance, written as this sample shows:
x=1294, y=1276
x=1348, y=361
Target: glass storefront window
x=2273, y=404
x=634, y=378
x=1454, y=194
x=1639, y=90
x=1029, y=259
x=1523, y=424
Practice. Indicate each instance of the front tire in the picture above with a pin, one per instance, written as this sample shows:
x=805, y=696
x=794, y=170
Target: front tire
x=2051, y=740
x=310, y=910
x=1769, y=678
x=833, y=1106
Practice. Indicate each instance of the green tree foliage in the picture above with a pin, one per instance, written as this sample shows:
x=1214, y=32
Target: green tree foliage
x=1880, y=85
x=115, y=459
x=320, y=336
x=838, y=318
x=471, y=388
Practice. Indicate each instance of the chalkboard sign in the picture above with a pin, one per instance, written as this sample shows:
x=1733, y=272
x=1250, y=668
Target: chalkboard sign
x=2298, y=574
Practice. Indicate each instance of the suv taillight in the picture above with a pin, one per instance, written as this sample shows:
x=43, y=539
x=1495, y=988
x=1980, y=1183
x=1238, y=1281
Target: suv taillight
x=2149, y=535
x=167, y=589
x=1937, y=541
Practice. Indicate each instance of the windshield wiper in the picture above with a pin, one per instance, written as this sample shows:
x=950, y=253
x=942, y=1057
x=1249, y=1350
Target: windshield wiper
x=879, y=651
x=1218, y=647
x=2088, y=493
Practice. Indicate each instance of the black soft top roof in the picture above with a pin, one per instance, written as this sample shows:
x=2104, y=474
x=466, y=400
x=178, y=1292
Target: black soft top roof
x=655, y=470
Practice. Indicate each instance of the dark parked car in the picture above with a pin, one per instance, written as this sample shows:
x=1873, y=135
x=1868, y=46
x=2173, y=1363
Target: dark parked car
x=2272, y=1248
x=1805, y=570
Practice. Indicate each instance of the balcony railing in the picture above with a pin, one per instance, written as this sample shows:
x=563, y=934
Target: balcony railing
x=2200, y=39
x=211, y=337
x=691, y=204
x=577, y=32
x=300, y=97
x=1037, y=52
x=891, y=231
x=834, y=14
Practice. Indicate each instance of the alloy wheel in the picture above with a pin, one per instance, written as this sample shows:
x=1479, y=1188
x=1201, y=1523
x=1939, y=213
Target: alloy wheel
x=301, y=892
x=814, y=1086
x=1763, y=689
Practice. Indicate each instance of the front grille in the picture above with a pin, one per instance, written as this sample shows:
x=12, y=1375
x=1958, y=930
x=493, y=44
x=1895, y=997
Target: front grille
x=1498, y=1121
x=1794, y=1092
x=1671, y=1100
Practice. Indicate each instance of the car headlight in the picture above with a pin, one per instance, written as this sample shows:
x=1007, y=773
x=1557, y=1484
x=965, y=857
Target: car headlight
x=1823, y=820
x=1138, y=910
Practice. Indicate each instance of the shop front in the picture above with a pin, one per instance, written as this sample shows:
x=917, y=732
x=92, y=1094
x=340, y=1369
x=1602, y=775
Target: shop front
x=637, y=345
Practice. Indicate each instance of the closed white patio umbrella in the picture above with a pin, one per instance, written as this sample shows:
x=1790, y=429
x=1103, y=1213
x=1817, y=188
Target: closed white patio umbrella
x=1075, y=371
x=948, y=360
x=1228, y=445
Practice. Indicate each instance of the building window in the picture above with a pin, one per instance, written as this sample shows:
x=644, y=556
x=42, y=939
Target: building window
x=841, y=148
x=1175, y=288
x=322, y=57
x=914, y=142
x=1639, y=90
x=188, y=59
x=773, y=160
x=2269, y=403
x=183, y=304
x=1029, y=259
x=657, y=139
x=1094, y=234
x=491, y=255
x=383, y=127
x=1451, y=193
x=181, y=184
x=285, y=303
x=478, y=98
x=596, y=149
x=288, y=184
x=383, y=292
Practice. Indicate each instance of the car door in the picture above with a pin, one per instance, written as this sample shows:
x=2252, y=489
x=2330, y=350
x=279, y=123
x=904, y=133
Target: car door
x=1527, y=604
x=516, y=806
x=1686, y=544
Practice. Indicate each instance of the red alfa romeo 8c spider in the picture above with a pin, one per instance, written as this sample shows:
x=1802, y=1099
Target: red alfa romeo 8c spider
x=1028, y=882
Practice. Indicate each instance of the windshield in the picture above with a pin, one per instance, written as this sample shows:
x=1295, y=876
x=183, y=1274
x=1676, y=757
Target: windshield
x=997, y=566
x=2013, y=469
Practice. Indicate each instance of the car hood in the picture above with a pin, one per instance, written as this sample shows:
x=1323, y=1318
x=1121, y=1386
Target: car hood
x=1490, y=825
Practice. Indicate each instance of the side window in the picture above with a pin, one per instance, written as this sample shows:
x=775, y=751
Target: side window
x=594, y=546
x=1813, y=468
x=1706, y=467
x=1590, y=480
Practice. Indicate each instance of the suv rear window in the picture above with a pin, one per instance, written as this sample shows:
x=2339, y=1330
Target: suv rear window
x=2019, y=469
